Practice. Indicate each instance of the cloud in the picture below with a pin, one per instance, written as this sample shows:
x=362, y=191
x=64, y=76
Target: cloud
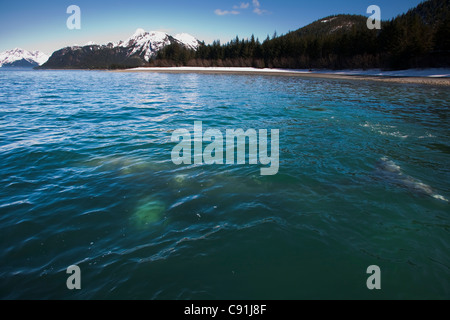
x=257, y=8
x=243, y=5
x=259, y=11
x=220, y=12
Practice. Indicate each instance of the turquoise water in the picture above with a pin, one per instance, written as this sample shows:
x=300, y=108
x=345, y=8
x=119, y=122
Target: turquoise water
x=87, y=179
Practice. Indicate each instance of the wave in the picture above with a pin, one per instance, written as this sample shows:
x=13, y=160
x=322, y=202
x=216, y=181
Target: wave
x=391, y=171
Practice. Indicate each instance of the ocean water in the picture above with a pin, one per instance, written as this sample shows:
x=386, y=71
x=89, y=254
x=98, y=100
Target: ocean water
x=87, y=179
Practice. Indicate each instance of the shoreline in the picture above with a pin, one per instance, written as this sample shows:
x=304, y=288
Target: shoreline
x=404, y=77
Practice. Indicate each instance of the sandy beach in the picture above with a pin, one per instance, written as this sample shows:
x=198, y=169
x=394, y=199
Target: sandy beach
x=440, y=77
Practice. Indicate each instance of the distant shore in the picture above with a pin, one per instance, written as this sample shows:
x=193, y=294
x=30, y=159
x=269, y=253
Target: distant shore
x=439, y=77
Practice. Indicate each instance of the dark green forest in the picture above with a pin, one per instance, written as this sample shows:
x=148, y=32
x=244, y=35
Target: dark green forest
x=419, y=38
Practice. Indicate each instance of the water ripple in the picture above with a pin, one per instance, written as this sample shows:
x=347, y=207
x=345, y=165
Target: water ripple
x=87, y=179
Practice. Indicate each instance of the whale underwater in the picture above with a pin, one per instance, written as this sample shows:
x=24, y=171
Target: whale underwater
x=390, y=171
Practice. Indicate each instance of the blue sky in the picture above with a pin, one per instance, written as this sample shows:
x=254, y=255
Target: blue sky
x=41, y=25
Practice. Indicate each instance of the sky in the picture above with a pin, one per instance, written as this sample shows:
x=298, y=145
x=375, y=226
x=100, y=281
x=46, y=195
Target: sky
x=41, y=25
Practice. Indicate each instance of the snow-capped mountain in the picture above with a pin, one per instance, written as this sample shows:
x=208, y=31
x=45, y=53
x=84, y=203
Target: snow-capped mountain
x=135, y=51
x=22, y=58
x=187, y=40
x=148, y=44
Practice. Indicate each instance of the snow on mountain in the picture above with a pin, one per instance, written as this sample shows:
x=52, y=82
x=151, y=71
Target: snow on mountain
x=90, y=43
x=188, y=40
x=347, y=25
x=147, y=44
x=33, y=58
x=137, y=51
x=328, y=20
x=138, y=33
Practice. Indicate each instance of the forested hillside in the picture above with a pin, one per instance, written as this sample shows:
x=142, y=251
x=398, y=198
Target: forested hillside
x=418, y=38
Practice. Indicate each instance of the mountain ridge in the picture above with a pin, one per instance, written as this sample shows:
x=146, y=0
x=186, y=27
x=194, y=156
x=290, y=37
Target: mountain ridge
x=331, y=24
x=22, y=58
x=135, y=51
x=419, y=38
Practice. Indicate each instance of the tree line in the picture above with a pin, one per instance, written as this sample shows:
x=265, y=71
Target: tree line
x=419, y=38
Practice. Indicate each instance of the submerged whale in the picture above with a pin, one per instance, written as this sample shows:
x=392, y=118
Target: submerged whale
x=149, y=211
x=389, y=170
